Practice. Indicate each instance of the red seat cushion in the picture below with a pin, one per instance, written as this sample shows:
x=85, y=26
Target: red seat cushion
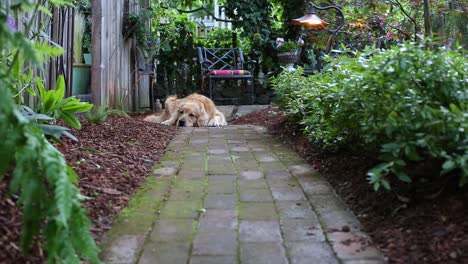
x=229, y=72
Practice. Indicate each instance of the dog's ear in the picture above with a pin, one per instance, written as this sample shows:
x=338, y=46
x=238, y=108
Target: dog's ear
x=203, y=118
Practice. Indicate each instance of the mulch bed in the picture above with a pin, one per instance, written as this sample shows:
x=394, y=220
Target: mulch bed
x=112, y=160
x=407, y=226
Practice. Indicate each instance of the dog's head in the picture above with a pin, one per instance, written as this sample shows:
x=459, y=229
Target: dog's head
x=192, y=113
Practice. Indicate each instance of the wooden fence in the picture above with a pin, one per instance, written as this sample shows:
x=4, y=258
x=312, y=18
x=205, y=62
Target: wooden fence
x=56, y=30
x=121, y=83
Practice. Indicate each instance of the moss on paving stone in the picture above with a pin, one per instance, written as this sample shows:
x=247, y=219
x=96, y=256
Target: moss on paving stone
x=133, y=224
x=174, y=230
x=180, y=210
x=272, y=166
x=147, y=199
x=257, y=211
x=191, y=185
x=138, y=217
x=170, y=156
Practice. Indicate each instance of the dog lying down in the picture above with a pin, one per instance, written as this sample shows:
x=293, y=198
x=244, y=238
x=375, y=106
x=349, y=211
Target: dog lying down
x=194, y=110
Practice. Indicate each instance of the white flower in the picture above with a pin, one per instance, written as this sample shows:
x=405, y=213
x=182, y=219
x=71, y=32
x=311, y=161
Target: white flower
x=279, y=42
x=300, y=42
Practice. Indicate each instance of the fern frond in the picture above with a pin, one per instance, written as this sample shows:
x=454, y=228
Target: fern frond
x=49, y=198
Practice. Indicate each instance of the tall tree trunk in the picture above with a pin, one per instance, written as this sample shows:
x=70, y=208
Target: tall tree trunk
x=427, y=19
x=96, y=11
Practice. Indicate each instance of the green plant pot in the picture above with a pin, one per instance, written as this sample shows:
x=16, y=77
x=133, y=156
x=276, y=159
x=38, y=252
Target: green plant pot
x=87, y=58
x=81, y=79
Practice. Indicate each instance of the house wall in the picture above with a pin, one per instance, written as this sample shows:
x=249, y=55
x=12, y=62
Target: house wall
x=208, y=23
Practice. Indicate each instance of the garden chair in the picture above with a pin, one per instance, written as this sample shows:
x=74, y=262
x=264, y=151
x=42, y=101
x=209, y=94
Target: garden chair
x=219, y=64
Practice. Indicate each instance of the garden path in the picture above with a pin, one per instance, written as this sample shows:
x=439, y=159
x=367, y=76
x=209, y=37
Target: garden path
x=235, y=195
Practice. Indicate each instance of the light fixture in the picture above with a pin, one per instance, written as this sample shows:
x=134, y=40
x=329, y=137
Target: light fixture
x=311, y=20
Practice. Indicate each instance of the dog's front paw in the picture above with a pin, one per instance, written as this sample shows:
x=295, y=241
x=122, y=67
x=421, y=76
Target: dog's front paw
x=213, y=123
x=216, y=123
x=166, y=123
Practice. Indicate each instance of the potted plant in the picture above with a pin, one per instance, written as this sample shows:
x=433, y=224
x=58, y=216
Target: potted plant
x=81, y=71
x=288, y=52
x=84, y=7
x=87, y=47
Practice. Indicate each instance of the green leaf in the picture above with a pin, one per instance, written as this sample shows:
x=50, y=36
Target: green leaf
x=455, y=109
x=71, y=136
x=71, y=120
x=376, y=186
x=60, y=88
x=448, y=166
x=49, y=102
x=40, y=88
x=55, y=131
x=72, y=175
x=45, y=10
x=402, y=176
x=31, y=91
x=78, y=107
x=386, y=184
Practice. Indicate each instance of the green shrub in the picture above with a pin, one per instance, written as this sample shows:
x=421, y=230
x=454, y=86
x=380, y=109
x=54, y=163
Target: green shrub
x=52, y=103
x=223, y=38
x=100, y=114
x=288, y=46
x=42, y=122
x=408, y=102
x=44, y=184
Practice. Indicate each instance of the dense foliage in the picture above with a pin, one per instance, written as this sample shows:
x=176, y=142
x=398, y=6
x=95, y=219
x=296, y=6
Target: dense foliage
x=53, y=103
x=408, y=102
x=44, y=184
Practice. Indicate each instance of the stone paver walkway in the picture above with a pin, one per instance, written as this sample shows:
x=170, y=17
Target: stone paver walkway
x=235, y=195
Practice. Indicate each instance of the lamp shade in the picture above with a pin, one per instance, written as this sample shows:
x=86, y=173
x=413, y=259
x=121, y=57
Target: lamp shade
x=310, y=20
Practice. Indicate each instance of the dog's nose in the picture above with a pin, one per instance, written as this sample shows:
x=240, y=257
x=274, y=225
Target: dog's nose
x=181, y=123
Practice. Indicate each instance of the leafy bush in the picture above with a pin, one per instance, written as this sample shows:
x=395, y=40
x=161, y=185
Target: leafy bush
x=287, y=46
x=41, y=121
x=44, y=184
x=223, y=38
x=100, y=114
x=52, y=103
x=408, y=102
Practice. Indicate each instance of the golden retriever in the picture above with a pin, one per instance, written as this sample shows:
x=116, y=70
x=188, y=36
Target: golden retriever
x=194, y=110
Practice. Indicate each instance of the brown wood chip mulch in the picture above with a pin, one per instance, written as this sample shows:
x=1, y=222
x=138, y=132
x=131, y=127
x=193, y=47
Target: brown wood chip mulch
x=112, y=159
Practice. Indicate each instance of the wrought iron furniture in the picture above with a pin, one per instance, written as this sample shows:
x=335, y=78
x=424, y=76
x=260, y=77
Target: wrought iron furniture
x=223, y=64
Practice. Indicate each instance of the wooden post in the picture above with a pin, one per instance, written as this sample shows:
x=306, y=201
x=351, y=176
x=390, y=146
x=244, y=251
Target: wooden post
x=96, y=13
x=234, y=39
x=427, y=19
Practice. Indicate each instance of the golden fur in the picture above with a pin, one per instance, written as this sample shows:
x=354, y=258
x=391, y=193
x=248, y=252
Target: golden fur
x=194, y=110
